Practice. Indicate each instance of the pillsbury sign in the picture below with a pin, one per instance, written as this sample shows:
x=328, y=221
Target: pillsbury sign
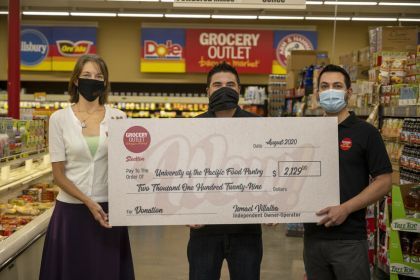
x=34, y=47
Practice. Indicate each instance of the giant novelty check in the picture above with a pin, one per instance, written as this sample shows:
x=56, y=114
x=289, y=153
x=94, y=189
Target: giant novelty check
x=221, y=171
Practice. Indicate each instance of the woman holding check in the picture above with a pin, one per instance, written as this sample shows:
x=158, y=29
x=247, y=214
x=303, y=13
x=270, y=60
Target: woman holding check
x=80, y=243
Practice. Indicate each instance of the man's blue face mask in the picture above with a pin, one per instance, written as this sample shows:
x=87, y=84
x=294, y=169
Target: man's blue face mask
x=332, y=100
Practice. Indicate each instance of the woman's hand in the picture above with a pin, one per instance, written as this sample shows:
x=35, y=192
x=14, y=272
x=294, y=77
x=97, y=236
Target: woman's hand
x=98, y=213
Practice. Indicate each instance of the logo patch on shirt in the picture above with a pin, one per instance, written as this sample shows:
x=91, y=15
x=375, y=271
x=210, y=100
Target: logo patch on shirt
x=346, y=144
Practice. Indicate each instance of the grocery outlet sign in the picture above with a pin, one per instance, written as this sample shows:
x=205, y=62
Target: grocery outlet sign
x=45, y=48
x=242, y=4
x=173, y=50
x=243, y=49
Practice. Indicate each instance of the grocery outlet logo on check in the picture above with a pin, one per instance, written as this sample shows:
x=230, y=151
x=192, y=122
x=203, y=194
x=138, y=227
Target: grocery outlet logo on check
x=137, y=139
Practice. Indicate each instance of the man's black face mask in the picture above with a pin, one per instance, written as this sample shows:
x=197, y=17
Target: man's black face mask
x=224, y=98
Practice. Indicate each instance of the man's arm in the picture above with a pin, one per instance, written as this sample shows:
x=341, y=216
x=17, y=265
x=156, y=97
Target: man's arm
x=336, y=215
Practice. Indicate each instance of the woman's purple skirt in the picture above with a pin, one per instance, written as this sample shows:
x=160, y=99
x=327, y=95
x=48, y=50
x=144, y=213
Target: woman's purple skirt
x=78, y=247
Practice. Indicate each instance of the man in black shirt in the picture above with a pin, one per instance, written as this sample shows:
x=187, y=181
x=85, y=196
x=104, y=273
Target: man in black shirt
x=336, y=247
x=241, y=244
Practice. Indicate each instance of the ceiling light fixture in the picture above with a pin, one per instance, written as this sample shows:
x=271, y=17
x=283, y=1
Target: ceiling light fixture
x=94, y=14
x=372, y=19
x=281, y=17
x=410, y=19
x=186, y=16
x=399, y=4
x=314, y=2
x=328, y=18
x=140, y=15
x=351, y=3
x=40, y=13
x=233, y=17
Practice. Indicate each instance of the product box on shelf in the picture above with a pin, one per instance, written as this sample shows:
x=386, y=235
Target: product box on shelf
x=364, y=56
x=292, y=79
x=406, y=207
x=396, y=38
x=404, y=254
x=345, y=59
x=404, y=236
x=299, y=59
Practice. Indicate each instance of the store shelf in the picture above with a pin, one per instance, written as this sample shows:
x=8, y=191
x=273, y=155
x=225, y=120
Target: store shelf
x=365, y=111
x=314, y=112
x=17, y=159
x=402, y=111
x=128, y=99
x=16, y=181
x=294, y=97
x=361, y=112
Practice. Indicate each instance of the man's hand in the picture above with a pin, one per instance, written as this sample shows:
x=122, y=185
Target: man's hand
x=334, y=215
x=195, y=226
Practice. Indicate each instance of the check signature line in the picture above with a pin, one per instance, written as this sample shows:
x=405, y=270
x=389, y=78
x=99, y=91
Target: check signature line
x=204, y=177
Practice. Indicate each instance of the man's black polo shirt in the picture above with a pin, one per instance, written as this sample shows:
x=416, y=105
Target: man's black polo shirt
x=234, y=228
x=361, y=153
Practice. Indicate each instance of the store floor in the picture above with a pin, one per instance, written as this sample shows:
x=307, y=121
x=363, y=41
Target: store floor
x=159, y=253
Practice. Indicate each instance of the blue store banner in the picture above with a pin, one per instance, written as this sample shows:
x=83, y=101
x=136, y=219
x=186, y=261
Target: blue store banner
x=35, y=48
x=46, y=48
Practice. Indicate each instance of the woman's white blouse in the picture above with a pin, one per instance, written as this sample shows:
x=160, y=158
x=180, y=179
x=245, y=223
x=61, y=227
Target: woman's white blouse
x=66, y=143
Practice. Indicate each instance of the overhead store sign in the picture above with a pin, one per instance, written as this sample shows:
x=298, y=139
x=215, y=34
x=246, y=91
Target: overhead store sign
x=198, y=50
x=163, y=50
x=242, y=4
x=243, y=49
x=35, y=48
x=55, y=48
x=286, y=41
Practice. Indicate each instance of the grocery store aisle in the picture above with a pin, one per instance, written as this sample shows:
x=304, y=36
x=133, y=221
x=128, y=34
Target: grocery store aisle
x=159, y=253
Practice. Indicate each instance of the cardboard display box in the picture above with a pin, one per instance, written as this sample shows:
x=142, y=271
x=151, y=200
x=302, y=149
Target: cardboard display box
x=292, y=79
x=396, y=38
x=403, y=263
x=299, y=59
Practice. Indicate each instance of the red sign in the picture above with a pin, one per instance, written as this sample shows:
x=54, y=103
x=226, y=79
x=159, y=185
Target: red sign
x=346, y=144
x=249, y=51
x=137, y=139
